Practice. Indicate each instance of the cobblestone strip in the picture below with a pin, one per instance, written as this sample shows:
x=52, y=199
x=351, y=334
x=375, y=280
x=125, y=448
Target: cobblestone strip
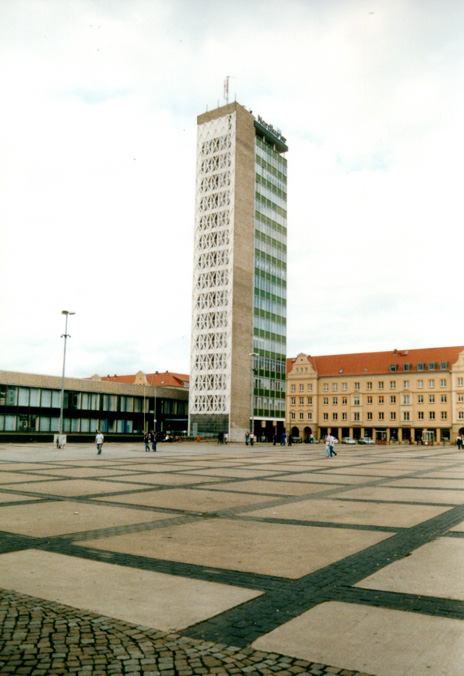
x=48, y=639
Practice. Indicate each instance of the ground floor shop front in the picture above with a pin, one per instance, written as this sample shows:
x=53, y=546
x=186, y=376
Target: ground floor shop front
x=382, y=435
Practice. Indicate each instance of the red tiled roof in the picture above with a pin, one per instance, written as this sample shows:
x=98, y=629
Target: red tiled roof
x=379, y=362
x=174, y=379
x=167, y=378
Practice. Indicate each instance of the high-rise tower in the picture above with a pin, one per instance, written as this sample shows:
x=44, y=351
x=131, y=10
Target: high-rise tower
x=238, y=348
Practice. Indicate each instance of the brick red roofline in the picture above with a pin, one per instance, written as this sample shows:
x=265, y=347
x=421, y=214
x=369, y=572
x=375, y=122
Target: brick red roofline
x=380, y=362
x=154, y=379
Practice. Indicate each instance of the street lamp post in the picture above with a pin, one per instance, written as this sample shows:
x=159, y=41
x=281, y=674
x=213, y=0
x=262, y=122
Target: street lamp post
x=253, y=355
x=60, y=441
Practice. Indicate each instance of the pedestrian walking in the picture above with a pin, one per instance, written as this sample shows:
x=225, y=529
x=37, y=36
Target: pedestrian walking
x=247, y=437
x=252, y=438
x=327, y=446
x=459, y=442
x=153, y=441
x=146, y=439
x=99, y=439
x=283, y=438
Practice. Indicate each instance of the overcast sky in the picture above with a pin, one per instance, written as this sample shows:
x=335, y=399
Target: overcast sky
x=98, y=110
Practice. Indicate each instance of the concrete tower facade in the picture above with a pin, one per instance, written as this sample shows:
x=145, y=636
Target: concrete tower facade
x=238, y=345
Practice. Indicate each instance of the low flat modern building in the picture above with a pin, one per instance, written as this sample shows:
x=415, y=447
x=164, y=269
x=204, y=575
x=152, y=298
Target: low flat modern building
x=122, y=406
x=396, y=396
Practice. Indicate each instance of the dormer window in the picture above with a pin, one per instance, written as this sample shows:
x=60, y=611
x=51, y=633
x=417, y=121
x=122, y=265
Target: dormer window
x=393, y=367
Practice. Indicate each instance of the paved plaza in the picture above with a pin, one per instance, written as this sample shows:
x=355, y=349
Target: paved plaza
x=207, y=559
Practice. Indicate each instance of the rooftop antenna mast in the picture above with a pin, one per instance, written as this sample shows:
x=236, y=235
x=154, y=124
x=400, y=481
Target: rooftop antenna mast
x=226, y=89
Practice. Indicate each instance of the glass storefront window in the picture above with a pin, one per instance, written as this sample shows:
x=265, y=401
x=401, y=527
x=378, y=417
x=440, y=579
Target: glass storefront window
x=46, y=399
x=35, y=396
x=44, y=424
x=10, y=423
x=85, y=425
x=23, y=396
x=12, y=396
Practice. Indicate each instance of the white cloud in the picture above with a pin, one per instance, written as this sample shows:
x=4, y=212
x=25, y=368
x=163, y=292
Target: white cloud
x=97, y=132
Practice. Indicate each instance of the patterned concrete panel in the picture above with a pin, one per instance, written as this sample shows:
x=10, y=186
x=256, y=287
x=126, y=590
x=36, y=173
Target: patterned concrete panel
x=270, y=487
x=285, y=550
x=381, y=494
x=142, y=597
x=352, y=512
x=58, y=518
x=374, y=640
x=185, y=499
x=432, y=570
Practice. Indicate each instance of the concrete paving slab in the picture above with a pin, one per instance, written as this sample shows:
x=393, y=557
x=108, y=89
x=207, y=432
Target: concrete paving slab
x=72, y=487
x=237, y=472
x=432, y=570
x=317, y=477
x=58, y=518
x=426, y=482
x=165, y=479
x=381, y=494
x=377, y=641
x=34, y=466
x=336, y=511
x=188, y=500
x=13, y=497
x=459, y=528
x=283, y=550
x=270, y=487
x=7, y=478
x=145, y=598
x=81, y=472
x=447, y=474
x=376, y=471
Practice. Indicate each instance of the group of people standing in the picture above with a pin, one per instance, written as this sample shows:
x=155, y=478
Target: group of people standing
x=150, y=438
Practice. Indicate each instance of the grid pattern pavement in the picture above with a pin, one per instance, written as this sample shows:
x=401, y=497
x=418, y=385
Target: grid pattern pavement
x=215, y=559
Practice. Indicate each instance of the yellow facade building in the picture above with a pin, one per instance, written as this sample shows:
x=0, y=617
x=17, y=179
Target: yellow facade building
x=399, y=396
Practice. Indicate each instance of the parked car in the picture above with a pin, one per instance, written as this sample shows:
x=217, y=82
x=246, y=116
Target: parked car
x=348, y=440
x=335, y=440
x=366, y=440
x=296, y=440
x=311, y=440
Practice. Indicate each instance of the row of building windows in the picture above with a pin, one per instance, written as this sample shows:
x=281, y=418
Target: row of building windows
x=430, y=366
x=32, y=397
x=36, y=423
x=431, y=383
x=406, y=416
x=356, y=401
x=272, y=159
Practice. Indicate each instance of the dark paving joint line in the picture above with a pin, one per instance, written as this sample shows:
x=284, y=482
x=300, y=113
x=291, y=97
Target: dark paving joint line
x=244, y=624
x=205, y=573
x=414, y=603
x=318, y=524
